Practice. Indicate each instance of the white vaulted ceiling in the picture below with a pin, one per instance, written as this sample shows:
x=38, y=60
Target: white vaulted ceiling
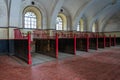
x=92, y=10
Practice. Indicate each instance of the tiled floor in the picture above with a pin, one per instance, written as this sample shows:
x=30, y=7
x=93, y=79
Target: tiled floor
x=98, y=65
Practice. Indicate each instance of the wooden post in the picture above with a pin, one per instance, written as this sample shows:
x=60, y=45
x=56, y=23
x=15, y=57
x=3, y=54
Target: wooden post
x=74, y=44
x=56, y=45
x=96, y=42
x=104, y=42
x=110, y=40
x=29, y=49
x=114, y=40
x=87, y=48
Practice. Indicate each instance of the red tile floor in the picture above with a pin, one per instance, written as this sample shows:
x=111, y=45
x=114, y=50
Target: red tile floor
x=96, y=66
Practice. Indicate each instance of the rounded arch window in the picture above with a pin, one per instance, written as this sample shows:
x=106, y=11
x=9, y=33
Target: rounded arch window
x=32, y=18
x=80, y=26
x=95, y=27
x=61, y=22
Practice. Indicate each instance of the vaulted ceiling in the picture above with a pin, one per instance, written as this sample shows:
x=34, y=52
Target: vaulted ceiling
x=92, y=10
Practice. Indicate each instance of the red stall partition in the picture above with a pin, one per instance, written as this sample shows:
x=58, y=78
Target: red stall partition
x=22, y=46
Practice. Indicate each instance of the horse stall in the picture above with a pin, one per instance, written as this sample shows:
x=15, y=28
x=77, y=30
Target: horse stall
x=82, y=41
x=113, y=40
x=45, y=46
x=117, y=40
x=66, y=44
x=108, y=41
x=101, y=40
x=22, y=46
x=93, y=41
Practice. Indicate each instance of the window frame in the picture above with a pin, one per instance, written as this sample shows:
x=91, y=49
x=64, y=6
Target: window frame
x=57, y=25
x=32, y=18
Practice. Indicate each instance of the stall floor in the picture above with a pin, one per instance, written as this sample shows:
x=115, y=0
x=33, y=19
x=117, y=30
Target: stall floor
x=64, y=55
x=40, y=58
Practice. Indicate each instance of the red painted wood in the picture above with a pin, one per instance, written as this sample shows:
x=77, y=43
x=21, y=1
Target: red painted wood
x=104, y=41
x=114, y=40
x=57, y=45
x=110, y=40
x=29, y=49
x=96, y=42
x=74, y=44
x=87, y=49
x=17, y=34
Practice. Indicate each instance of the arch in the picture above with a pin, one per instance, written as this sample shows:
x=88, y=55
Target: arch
x=37, y=16
x=80, y=14
x=111, y=12
x=83, y=23
x=95, y=27
x=80, y=26
x=111, y=24
x=64, y=21
x=39, y=7
x=54, y=14
x=59, y=23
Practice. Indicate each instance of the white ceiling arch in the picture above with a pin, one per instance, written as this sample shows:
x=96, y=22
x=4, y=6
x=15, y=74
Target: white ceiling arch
x=100, y=15
x=92, y=10
x=55, y=13
x=76, y=8
x=103, y=19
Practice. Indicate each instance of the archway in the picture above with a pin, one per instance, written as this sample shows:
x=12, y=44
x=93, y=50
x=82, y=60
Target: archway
x=32, y=16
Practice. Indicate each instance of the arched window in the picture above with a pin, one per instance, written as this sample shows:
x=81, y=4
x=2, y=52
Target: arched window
x=94, y=28
x=30, y=20
x=59, y=23
x=80, y=26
